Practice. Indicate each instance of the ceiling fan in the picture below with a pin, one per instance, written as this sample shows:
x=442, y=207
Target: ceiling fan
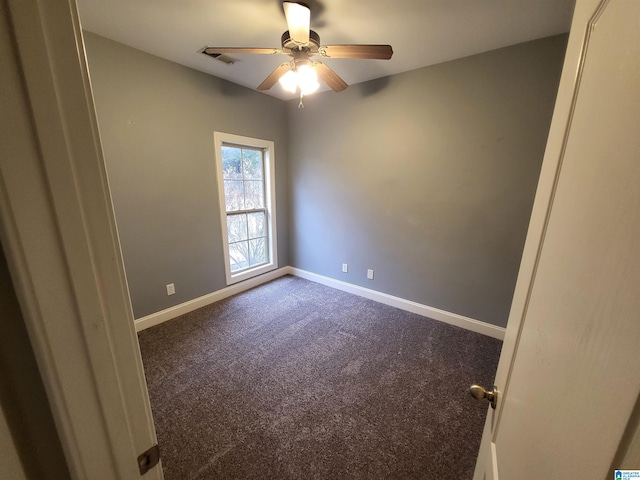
x=301, y=43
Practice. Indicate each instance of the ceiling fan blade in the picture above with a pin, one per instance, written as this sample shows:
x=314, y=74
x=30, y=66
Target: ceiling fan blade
x=372, y=52
x=330, y=77
x=219, y=50
x=274, y=76
x=298, y=20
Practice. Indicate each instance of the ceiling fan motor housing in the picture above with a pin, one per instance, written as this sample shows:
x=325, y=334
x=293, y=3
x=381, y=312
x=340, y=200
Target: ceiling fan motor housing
x=288, y=44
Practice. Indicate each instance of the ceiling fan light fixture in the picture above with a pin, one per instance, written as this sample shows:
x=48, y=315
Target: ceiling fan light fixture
x=289, y=81
x=304, y=78
x=307, y=79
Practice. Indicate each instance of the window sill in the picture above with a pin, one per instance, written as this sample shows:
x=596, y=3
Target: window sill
x=252, y=272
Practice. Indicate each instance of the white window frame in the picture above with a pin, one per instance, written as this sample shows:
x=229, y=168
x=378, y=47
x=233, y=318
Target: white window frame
x=222, y=139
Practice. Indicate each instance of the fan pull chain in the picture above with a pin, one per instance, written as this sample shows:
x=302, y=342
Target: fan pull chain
x=301, y=105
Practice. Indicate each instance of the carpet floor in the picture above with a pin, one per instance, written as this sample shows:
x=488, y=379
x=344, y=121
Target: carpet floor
x=296, y=380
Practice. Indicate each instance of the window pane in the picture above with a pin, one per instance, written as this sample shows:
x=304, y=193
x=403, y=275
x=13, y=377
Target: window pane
x=231, y=163
x=233, y=195
x=252, y=164
x=239, y=256
x=257, y=251
x=254, y=194
x=257, y=224
x=237, y=227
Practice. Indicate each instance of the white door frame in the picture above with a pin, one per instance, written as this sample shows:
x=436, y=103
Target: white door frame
x=59, y=236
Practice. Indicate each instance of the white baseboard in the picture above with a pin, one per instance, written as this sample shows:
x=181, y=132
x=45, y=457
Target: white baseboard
x=424, y=310
x=186, y=307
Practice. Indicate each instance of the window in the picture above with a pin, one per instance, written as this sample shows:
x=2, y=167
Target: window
x=246, y=185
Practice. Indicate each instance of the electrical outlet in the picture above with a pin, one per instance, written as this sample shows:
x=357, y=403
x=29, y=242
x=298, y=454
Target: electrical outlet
x=171, y=289
x=345, y=268
x=370, y=274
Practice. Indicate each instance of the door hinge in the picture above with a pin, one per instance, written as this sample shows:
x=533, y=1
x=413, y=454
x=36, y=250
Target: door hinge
x=149, y=459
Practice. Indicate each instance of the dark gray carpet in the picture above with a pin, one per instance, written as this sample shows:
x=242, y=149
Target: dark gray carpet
x=295, y=380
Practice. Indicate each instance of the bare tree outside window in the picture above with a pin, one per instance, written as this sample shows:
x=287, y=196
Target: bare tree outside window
x=244, y=194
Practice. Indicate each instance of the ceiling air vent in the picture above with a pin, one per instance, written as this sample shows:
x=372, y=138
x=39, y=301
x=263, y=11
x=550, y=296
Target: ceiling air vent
x=222, y=57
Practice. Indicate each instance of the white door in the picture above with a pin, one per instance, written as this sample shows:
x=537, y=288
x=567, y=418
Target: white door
x=569, y=377
x=59, y=236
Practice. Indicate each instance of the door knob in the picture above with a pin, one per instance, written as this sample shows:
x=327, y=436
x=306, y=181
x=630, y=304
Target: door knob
x=479, y=393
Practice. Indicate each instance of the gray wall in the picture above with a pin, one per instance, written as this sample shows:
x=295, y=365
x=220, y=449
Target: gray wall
x=427, y=177
x=156, y=121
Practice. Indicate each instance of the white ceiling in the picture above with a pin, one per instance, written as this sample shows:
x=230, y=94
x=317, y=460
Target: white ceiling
x=421, y=32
